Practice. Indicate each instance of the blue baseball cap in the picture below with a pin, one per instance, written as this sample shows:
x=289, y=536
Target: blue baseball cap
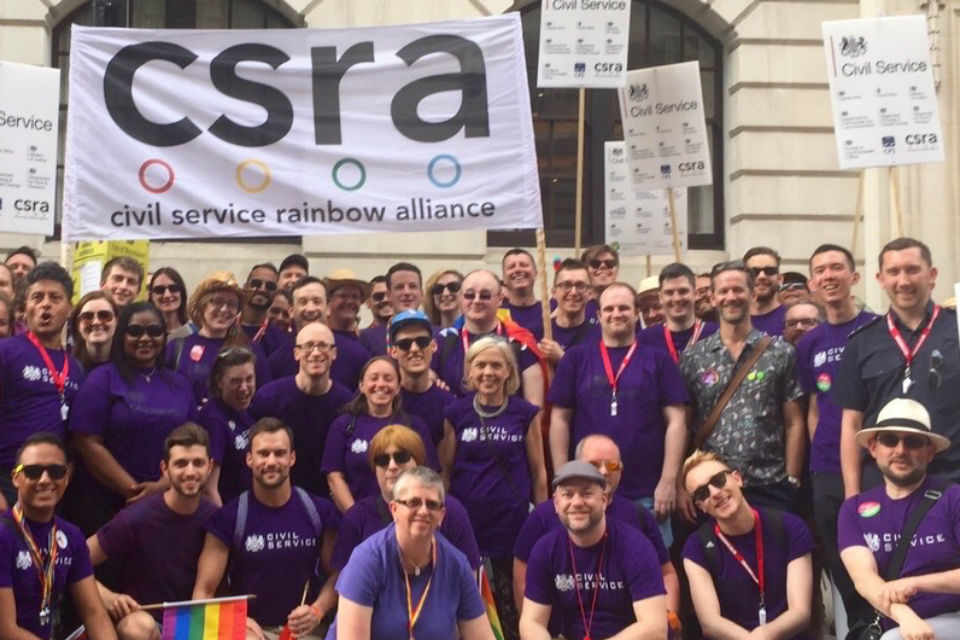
x=408, y=318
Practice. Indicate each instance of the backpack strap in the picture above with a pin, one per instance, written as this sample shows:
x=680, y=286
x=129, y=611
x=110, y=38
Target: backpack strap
x=446, y=347
x=177, y=353
x=930, y=497
x=352, y=425
x=311, y=510
x=243, y=508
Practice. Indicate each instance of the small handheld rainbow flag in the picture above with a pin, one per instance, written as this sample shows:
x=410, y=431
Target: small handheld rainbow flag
x=486, y=594
x=214, y=619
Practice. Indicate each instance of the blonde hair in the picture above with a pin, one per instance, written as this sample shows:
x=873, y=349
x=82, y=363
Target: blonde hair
x=697, y=458
x=513, y=380
x=428, y=307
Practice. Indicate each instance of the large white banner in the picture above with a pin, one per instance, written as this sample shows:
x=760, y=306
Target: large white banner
x=583, y=43
x=639, y=221
x=177, y=134
x=882, y=92
x=664, y=127
x=29, y=122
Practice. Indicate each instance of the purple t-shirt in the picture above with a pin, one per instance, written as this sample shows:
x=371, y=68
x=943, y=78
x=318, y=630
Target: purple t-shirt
x=372, y=514
x=373, y=578
x=309, y=417
x=650, y=382
x=196, y=358
x=374, y=340
x=348, y=441
x=279, y=551
x=29, y=401
x=630, y=573
x=448, y=358
x=544, y=519
x=874, y=520
x=156, y=549
x=530, y=318
x=229, y=433
x=771, y=322
x=738, y=594
x=654, y=337
x=133, y=418
x=568, y=337
x=429, y=407
x=491, y=475
x=18, y=573
x=351, y=356
x=818, y=358
x=273, y=338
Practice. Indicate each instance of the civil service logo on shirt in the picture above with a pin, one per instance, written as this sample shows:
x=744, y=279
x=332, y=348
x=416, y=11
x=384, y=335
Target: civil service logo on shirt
x=563, y=582
x=31, y=373
x=358, y=446
x=819, y=358
x=873, y=541
x=241, y=442
x=254, y=543
x=469, y=434
x=23, y=560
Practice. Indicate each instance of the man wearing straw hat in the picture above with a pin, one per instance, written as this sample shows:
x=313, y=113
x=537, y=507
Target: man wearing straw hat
x=900, y=541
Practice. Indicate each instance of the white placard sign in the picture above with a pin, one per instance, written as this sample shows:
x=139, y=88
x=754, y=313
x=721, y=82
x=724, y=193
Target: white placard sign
x=199, y=134
x=664, y=127
x=882, y=92
x=29, y=123
x=639, y=220
x=583, y=43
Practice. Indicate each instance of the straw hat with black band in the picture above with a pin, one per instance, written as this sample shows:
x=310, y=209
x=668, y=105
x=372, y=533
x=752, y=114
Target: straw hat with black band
x=903, y=415
x=344, y=277
x=215, y=282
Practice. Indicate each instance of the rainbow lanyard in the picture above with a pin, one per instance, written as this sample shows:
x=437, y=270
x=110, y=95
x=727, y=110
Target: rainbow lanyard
x=413, y=612
x=45, y=569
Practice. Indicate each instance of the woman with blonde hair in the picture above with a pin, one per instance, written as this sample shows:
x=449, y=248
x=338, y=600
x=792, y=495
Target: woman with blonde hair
x=442, y=299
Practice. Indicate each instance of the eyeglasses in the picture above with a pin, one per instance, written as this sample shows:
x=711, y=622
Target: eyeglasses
x=718, y=480
x=422, y=342
x=416, y=503
x=223, y=303
x=160, y=289
x=910, y=441
x=137, y=330
x=486, y=296
x=802, y=322
x=310, y=347
x=35, y=471
x=438, y=288
x=257, y=283
x=104, y=315
x=566, y=286
x=400, y=457
x=378, y=296
x=606, y=264
x=933, y=375
x=611, y=466
x=791, y=286
x=767, y=271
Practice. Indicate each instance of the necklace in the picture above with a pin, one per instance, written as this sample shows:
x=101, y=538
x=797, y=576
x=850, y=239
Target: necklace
x=148, y=375
x=489, y=414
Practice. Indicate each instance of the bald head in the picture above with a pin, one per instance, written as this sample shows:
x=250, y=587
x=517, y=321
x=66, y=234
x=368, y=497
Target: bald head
x=315, y=332
x=604, y=454
x=315, y=350
x=482, y=278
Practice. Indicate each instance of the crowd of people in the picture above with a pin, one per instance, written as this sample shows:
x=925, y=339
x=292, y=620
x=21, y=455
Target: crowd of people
x=681, y=459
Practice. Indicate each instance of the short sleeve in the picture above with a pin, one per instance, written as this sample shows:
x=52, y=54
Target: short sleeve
x=90, y=410
x=643, y=574
x=693, y=549
x=335, y=445
x=221, y=524
x=81, y=567
x=470, y=605
x=539, y=586
x=848, y=527
x=849, y=390
x=116, y=537
x=7, y=553
x=216, y=431
x=563, y=387
x=458, y=530
x=531, y=531
x=361, y=579
x=673, y=389
x=799, y=539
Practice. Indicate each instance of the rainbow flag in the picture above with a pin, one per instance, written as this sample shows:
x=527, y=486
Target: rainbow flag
x=218, y=619
x=486, y=594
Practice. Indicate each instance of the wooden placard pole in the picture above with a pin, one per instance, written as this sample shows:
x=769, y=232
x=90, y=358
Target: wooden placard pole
x=578, y=206
x=896, y=212
x=673, y=225
x=649, y=265
x=544, y=289
x=858, y=207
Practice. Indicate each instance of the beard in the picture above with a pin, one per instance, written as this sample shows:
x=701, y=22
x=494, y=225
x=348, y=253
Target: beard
x=908, y=479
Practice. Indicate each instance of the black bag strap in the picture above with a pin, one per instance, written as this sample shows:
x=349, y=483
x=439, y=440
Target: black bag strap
x=930, y=497
x=710, y=544
x=449, y=342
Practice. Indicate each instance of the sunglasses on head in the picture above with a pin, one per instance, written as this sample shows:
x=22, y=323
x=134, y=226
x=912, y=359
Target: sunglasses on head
x=137, y=330
x=400, y=457
x=792, y=286
x=378, y=296
x=910, y=441
x=257, y=283
x=104, y=315
x=718, y=480
x=438, y=288
x=483, y=295
x=416, y=503
x=767, y=271
x=35, y=471
x=608, y=264
x=160, y=289
x=422, y=342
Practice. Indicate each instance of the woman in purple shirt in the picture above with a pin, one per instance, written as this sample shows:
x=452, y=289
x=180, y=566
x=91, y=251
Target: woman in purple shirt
x=92, y=325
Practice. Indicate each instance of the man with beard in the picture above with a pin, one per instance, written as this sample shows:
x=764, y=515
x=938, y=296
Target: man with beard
x=705, y=310
x=379, y=303
x=258, y=295
x=157, y=541
x=603, y=575
x=272, y=538
x=760, y=430
x=765, y=309
x=681, y=327
x=923, y=599
x=800, y=318
x=404, y=286
x=519, y=278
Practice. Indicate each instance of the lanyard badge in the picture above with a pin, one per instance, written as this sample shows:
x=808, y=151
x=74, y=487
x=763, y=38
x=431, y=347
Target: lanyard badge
x=614, y=380
x=910, y=354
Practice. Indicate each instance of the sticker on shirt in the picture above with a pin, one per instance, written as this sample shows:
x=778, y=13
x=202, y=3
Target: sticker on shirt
x=359, y=446
x=756, y=376
x=824, y=382
x=868, y=509
x=61, y=539
x=196, y=352
x=710, y=377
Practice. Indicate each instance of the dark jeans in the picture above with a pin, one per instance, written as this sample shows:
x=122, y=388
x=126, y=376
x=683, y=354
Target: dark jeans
x=827, y=498
x=779, y=495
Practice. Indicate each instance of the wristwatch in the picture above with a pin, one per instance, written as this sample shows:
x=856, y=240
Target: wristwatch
x=794, y=481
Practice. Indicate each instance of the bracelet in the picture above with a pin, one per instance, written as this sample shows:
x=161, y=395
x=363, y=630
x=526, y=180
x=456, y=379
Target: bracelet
x=315, y=610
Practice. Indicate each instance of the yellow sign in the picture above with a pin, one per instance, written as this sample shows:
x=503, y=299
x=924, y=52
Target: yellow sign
x=90, y=257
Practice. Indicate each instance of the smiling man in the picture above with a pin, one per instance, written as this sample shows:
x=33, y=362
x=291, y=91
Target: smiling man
x=121, y=279
x=519, y=279
x=681, y=328
x=258, y=293
x=571, y=324
x=765, y=308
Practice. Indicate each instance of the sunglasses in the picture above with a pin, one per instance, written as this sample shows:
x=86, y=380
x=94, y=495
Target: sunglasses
x=438, y=288
x=416, y=503
x=610, y=465
x=792, y=286
x=160, y=289
x=422, y=342
x=718, y=480
x=137, y=330
x=257, y=283
x=379, y=296
x=912, y=441
x=606, y=264
x=767, y=271
x=483, y=295
x=35, y=471
x=400, y=457
x=104, y=315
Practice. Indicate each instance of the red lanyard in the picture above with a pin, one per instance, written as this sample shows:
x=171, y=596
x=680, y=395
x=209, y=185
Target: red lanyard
x=758, y=577
x=614, y=380
x=258, y=336
x=59, y=377
x=413, y=612
x=465, y=336
x=588, y=623
x=909, y=354
x=44, y=560
x=668, y=337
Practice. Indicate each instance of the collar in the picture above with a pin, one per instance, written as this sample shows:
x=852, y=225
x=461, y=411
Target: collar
x=717, y=344
x=906, y=330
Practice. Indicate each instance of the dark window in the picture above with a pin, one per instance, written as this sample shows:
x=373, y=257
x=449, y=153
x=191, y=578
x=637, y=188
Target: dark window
x=658, y=35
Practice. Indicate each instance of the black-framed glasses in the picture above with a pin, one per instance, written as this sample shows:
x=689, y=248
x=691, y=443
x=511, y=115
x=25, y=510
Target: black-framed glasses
x=35, y=471
x=416, y=503
x=438, y=288
x=717, y=480
x=566, y=286
x=309, y=347
x=422, y=342
x=378, y=296
x=137, y=330
x=911, y=441
x=104, y=315
x=486, y=296
x=933, y=375
x=401, y=456
x=767, y=271
x=160, y=289
x=606, y=264
x=257, y=283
